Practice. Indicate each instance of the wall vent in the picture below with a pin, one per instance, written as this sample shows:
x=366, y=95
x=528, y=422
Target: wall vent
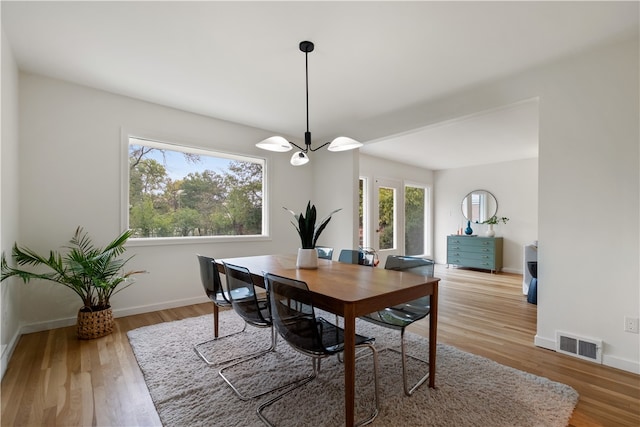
x=584, y=348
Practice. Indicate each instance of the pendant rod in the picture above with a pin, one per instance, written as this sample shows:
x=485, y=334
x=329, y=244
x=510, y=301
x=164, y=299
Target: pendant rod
x=306, y=66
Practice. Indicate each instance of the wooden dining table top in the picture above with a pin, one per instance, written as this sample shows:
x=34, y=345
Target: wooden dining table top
x=335, y=283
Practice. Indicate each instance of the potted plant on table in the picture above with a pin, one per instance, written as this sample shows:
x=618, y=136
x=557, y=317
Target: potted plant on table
x=493, y=221
x=309, y=234
x=94, y=274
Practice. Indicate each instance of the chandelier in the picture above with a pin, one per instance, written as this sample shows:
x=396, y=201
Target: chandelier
x=301, y=157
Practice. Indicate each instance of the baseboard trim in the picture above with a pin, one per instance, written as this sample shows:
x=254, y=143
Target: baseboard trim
x=607, y=360
x=61, y=323
x=156, y=307
x=6, y=352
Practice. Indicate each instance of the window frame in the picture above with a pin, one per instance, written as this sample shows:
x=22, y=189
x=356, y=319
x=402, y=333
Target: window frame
x=169, y=143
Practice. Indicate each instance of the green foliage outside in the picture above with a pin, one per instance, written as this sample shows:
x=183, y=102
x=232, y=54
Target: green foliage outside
x=414, y=205
x=386, y=200
x=206, y=203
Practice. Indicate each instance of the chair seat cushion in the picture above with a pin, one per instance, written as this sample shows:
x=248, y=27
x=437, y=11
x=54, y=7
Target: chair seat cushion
x=259, y=316
x=400, y=316
x=332, y=337
x=222, y=300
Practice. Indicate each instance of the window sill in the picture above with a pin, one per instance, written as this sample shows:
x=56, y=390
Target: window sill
x=167, y=241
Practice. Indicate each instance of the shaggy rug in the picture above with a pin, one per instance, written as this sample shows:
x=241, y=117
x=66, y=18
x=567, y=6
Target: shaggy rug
x=470, y=390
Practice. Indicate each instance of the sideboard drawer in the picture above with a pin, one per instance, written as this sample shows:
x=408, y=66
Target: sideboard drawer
x=475, y=252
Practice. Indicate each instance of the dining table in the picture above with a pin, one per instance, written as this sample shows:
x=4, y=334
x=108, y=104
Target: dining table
x=350, y=291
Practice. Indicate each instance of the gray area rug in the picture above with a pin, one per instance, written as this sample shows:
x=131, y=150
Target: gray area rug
x=470, y=390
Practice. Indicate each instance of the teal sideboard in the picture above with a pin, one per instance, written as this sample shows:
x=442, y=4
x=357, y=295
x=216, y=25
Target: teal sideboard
x=475, y=252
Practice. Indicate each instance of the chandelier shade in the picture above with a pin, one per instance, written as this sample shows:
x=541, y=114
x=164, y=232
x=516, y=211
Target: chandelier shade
x=275, y=143
x=343, y=143
x=301, y=157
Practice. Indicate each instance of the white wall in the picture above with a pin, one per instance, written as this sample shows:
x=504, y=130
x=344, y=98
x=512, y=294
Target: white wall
x=335, y=177
x=515, y=186
x=70, y=148
x=9, y=217
x=589, y=254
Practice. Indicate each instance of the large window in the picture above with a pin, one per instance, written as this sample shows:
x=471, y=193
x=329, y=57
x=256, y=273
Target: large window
x=177, y=191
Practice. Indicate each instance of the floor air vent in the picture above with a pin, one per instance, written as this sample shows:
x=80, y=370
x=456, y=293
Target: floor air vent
x=584, y=348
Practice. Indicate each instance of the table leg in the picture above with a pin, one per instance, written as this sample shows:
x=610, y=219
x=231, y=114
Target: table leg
x=349, y=365
x=433, y=335
x=216, y=311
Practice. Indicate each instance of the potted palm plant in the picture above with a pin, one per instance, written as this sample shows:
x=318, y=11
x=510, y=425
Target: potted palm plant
x=95, y=274
x=309, y=234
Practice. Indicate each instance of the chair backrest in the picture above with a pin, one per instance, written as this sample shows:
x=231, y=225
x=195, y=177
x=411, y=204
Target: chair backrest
x=242, y=293
x=293, y=313
x=415, y=265
x=210, y=277
x=360, y=256
x=324, y=252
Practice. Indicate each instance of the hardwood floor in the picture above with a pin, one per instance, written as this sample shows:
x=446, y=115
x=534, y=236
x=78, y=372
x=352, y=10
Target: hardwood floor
x=56, y=380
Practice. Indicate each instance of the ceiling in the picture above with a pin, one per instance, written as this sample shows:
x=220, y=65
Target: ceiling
x=239, y=61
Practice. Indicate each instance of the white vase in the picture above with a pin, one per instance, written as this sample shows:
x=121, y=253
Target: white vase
x=490, y=232
x=307, y=258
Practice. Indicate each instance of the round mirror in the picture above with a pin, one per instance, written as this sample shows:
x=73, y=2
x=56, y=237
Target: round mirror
x=479, y=205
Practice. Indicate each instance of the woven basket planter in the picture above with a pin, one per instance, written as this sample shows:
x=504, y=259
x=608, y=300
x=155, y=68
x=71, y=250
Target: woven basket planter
x=95, y=324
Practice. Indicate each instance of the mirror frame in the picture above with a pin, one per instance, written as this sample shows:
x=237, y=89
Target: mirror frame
x=488, y=214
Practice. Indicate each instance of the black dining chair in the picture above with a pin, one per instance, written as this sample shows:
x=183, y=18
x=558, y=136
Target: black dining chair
x=210, y=278
x=295, y=320
x=360, y=256
x=255, y=311
x=324, y=252
x=400, y=316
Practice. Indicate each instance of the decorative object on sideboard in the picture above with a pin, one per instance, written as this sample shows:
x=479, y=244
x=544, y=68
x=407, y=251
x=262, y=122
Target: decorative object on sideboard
x=494, y=220
x=468, y=231
x=301, y=157
x=309, y=234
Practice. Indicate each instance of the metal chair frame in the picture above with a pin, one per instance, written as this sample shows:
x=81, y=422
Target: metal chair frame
x=300, y=317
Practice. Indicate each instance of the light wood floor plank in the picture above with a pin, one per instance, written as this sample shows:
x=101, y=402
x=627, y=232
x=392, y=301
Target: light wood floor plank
x=55, y=379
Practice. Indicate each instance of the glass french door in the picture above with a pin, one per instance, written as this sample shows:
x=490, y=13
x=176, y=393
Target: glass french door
x=388, y=224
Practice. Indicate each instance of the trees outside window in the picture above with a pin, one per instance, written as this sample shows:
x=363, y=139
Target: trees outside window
x=414, y=220
x=176, y=191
